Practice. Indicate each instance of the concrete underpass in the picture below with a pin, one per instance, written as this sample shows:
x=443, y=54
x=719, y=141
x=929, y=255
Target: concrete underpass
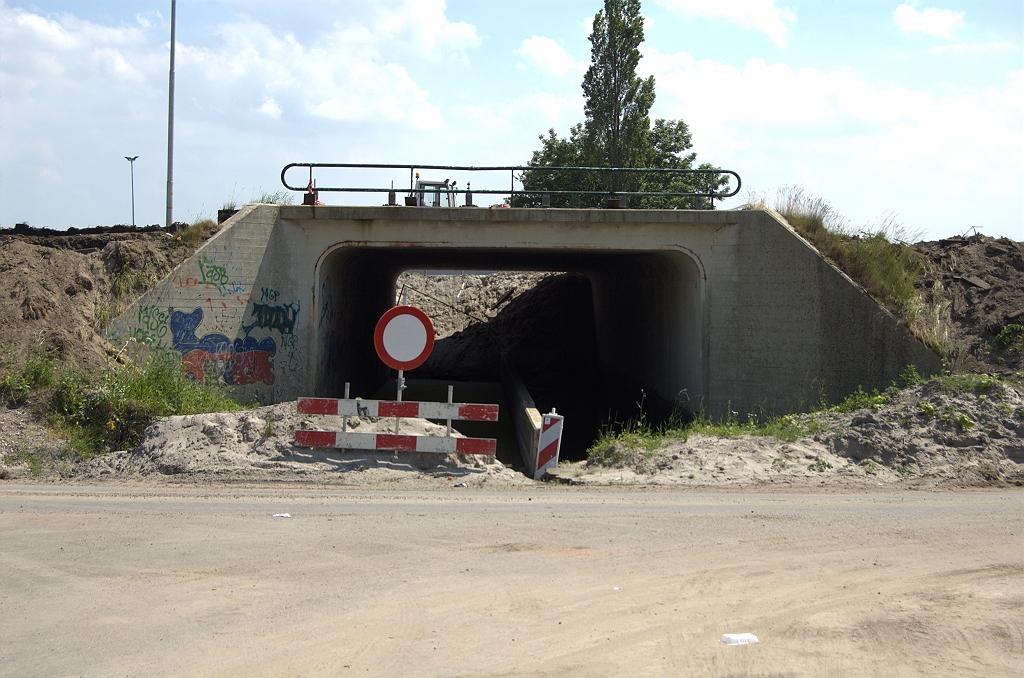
x=696, y=309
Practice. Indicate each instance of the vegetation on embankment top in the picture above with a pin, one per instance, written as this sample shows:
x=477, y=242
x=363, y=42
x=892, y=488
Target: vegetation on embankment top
x=106, y=410
x=881, y=260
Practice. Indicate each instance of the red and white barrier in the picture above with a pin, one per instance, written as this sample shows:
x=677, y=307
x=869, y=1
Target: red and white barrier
x=397, y=443
x=549, y=445
x=393, y=408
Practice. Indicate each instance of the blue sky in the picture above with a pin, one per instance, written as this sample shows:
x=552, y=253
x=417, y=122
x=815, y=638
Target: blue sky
x=906, y=111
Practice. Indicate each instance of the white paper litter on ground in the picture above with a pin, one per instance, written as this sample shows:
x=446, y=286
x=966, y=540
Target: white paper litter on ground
x=738, y=639
x=288, y=515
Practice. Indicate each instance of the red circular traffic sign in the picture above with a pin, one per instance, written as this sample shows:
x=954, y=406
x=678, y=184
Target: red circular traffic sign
x=404, y=337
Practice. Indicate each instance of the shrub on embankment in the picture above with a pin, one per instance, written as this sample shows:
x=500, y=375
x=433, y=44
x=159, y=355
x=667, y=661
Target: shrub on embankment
x=105, y=410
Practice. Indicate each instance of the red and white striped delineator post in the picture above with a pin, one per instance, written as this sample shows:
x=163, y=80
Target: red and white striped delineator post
x=550, y=444
x=389, y=441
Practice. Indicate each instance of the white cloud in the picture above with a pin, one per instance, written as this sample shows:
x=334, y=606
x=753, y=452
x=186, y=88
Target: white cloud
x=938, y=23
x=759, y=15
x=79, y=95
x=271, y=108
x=336, y=78
x=547, y=55
x=840, y=134
x=972, y=48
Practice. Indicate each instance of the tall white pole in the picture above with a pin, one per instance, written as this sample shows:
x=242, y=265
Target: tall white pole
x=170, y=129
x=131, y=160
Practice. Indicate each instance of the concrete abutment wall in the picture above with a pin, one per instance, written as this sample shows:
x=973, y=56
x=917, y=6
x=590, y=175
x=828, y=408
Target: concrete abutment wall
x=725, y=310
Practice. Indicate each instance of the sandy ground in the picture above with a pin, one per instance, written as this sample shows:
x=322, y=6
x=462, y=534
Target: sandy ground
x=555, y=580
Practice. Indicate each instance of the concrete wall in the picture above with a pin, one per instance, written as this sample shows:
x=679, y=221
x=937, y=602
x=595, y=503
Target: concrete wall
x=732, y=309
x=232, y=311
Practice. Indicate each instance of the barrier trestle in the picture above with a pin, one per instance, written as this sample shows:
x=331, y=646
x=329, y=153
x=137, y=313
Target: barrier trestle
x=345, y=439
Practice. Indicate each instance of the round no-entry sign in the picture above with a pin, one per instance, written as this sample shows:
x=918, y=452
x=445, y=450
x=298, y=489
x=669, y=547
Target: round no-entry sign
x=404, y=337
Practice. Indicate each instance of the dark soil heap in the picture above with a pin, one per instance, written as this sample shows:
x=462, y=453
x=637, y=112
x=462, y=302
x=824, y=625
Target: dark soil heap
x=974, y=290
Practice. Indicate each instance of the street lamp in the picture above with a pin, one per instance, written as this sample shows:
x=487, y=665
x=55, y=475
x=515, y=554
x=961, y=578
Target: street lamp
x=131, y=161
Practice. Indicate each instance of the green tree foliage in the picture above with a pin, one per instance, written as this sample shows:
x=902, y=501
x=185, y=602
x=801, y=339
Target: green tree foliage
x=617, y=131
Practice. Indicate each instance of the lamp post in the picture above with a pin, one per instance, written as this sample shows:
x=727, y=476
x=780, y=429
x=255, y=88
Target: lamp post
x=131, y=161
x=170, y=129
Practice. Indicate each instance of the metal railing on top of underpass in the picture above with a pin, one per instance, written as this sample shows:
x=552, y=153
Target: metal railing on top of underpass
x=534, y=175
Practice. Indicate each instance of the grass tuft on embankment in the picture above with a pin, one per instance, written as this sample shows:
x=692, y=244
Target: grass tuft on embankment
x=106, y=410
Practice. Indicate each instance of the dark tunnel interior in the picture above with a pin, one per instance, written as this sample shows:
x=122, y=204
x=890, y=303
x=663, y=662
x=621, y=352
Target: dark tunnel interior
x=620, y=328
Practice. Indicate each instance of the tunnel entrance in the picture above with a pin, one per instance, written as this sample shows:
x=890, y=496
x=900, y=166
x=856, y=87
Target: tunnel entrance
x=616, y=328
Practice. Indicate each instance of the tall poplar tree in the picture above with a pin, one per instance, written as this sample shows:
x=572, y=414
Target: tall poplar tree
x=617, y=131
x=617, y=126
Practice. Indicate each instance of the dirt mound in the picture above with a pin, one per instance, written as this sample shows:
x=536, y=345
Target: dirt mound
x=930, y=435
x=974, y=288
x=60, y=290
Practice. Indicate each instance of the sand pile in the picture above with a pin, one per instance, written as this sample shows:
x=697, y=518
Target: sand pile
x=925, y=436
x=258, y=445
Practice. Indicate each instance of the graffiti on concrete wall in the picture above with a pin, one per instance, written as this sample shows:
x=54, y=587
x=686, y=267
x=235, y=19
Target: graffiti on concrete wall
x=151, y=326
x=230, y=331
x=210, y=273
x=237, y=362
x=329, y=330
x=280, y=318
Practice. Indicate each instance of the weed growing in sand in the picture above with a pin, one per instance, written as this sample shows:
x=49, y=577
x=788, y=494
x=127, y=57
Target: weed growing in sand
x=198, y=232
x=633, y=441
x=16, y=385
x=268, y=427
x=965, y=382
x=988, y=471
x=963, y=422
x=910, y=376
x=927, y=409
x=819, y=465
x=281, y=197
x=860, y=400
x=904, y=471
x=33, y=462
x=785, y=428
x=1011, y=336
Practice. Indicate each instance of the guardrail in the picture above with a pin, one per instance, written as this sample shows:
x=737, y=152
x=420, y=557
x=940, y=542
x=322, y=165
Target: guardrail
x=613, y=174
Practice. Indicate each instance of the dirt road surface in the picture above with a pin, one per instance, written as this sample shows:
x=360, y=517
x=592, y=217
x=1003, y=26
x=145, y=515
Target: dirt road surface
x=145, y=580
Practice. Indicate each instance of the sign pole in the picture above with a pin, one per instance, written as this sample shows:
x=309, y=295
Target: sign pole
x=401, y=385
x=344, y=421
x=449, y=400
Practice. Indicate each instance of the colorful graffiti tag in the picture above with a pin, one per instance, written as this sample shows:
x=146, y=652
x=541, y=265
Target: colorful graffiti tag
x=238, y=362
